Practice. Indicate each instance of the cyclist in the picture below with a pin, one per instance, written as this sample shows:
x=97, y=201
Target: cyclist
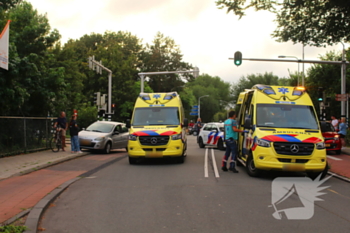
x=61, y=124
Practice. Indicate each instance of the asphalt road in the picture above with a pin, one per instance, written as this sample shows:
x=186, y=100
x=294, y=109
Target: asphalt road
x=162, y=196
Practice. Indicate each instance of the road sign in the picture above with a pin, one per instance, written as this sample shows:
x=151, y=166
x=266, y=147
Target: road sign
x=341, y=97
x=194, y=113
x=194, y=109
x=195, y=106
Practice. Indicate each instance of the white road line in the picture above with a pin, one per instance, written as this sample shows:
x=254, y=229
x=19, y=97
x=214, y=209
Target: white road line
x=214, y=164
x=206, y=163
x=332, y=157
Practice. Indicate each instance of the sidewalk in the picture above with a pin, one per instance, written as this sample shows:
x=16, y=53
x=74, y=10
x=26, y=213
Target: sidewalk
x=19, y=193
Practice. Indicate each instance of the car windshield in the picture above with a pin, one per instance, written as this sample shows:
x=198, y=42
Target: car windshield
x=156, y=116
x=327, y=127
x=100, y=127
x=286, y=116
x=221, y=127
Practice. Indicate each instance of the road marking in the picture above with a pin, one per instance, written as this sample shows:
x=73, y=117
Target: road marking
x=332, y=157
x=214, y=164
x=206, y=163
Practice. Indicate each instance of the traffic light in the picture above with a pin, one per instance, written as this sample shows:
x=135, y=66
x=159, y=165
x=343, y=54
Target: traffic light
x=97, y=98
x=238, y=58
x=113, y=107
x=320, y=94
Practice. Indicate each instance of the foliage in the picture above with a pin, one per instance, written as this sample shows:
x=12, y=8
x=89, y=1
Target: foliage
x=33, y=79
x=329, y=77
x=251, y=80
x=313, y=22
x=12, y=229
x=218, y=91
x=164, y=55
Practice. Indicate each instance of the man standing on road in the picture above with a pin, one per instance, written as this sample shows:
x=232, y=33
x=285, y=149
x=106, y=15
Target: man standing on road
x=335, y=122
x=342, y=131
x=62, y=123
x=231, y=136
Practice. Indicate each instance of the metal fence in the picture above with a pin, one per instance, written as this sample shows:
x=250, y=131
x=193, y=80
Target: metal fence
x=24, y=134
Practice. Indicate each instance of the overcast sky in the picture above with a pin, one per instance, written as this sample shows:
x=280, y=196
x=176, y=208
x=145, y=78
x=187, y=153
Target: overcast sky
x=207, y=36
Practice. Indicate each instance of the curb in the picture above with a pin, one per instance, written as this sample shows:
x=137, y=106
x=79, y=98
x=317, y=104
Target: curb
x=36, y=212
x=48, y=164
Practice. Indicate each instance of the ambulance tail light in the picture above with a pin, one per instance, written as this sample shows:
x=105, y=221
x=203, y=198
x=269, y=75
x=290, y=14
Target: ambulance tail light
x=263, y=143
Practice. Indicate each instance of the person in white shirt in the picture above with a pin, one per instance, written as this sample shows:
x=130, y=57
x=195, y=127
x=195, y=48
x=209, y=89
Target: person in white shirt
x=335, y=122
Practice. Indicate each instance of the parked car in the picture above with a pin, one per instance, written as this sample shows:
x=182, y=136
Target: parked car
x=104, y=135
x=212, y=134
x=331, y=137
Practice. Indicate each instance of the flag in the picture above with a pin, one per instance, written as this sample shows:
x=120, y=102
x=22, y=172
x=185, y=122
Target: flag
x=4, y=46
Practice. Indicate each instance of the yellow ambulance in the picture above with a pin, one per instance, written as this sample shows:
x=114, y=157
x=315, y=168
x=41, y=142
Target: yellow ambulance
x=284, y=132
x=157, y=127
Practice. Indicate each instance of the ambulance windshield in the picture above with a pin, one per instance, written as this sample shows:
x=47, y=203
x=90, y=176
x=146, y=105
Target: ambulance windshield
x=286, y=116
x=156, y=116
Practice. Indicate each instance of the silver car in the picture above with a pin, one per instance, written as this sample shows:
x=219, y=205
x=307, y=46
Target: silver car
x=104, y=135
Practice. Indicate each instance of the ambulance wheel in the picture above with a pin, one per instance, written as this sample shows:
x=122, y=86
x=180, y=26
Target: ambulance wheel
x=180, y=159
x=314, y=175
x=200, y=143
x=221, y=145
x=251, y=169
x=132, y=160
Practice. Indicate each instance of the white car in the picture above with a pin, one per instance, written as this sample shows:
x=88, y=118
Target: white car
x=104, y=135
x=212, y=134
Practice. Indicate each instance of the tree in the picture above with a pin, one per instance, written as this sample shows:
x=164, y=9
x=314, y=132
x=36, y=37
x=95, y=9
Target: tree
x=251, y=80
x=33, y=78
x=217, y=90
x=329, y=77
x=164, y=55
x=313, y=22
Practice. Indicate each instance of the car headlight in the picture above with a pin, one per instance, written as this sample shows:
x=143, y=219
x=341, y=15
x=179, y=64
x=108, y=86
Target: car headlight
x=100, y=139
x=263, y=143
x=336, y=137
x=132, y=137
x=176, y=137
x=320, y=145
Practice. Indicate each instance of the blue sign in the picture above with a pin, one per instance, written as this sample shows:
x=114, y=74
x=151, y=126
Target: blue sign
x=194, y=109
x=195, y=106
x=194, y=113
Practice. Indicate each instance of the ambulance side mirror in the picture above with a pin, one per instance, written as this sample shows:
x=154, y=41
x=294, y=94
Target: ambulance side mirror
x=185, y=122
x=127, y=124
x=247, y=123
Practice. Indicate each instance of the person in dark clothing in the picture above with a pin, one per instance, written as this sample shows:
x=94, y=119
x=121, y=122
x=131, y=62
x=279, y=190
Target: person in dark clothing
x=62, y=125
x=74, y=130
x=198, y=127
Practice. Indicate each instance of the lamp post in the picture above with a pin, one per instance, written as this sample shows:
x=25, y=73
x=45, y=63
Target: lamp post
x=199, y=105
x=282, y=56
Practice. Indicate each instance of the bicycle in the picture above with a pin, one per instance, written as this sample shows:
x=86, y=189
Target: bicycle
x=56, y=141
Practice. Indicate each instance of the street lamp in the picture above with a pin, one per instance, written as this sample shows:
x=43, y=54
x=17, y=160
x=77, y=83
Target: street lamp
x=282, y=56
x=199, y=105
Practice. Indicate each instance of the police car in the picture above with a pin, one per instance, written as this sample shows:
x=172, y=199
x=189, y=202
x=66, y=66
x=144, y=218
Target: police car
x=212, y=134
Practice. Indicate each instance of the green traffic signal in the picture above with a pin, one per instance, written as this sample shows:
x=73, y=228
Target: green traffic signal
x=238, y=58
x=320, y=94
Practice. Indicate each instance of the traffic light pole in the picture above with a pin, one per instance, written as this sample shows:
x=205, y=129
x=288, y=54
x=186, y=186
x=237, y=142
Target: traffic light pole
x=95, y=65
x=144, y=74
